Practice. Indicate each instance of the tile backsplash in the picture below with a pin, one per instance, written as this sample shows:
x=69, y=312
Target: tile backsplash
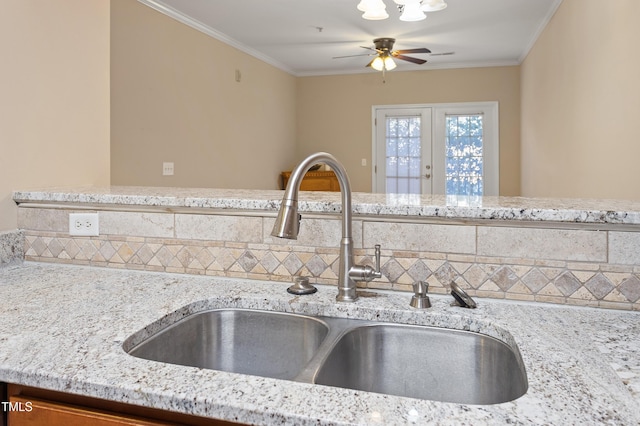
x=536, y=262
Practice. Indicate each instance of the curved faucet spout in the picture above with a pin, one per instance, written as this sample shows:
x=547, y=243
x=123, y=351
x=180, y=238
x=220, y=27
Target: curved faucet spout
x=288, y=227
x=287, y=224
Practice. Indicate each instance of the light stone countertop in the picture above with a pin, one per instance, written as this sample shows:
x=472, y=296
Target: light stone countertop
x=62, y=328
x=429, y=206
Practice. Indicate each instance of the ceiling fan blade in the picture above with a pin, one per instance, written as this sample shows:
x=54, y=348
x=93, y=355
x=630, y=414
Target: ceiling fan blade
x=443, y=54
x=353, y=56
x=419, y=50
x=370, y=48
x=410, y=59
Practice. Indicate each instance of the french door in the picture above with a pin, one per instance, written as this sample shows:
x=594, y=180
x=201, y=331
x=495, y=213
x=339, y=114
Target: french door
x=403, y=151
x=450, y=149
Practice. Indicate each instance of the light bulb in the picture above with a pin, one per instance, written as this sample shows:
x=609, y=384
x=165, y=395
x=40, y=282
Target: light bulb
x=377, y=64
x=389, y=63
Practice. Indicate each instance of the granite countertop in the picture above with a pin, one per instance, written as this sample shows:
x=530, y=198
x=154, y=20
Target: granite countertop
x=62, y=328
x=429, y=206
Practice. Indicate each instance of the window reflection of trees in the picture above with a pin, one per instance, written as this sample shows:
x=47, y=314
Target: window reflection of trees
x=464, y=154
x=403, y=155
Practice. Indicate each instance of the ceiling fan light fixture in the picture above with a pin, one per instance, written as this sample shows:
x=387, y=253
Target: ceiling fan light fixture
x=374, y=10
x=389, y=63
x=411, y=12
x=433, y=5
x=383, y=62
x=375, y=15
x=365, y=5
x=378, y=63
x=385, y=56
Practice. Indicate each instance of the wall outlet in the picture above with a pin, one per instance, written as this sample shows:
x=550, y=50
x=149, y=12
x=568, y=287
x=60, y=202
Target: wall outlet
x=84, y=224
x=167, y=169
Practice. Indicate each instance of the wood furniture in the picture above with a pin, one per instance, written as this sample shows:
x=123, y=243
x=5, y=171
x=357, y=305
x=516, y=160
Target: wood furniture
x=315, y=181
x=34, y=407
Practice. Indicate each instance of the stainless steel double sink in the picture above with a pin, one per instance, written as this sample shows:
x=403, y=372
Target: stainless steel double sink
x=397, y=359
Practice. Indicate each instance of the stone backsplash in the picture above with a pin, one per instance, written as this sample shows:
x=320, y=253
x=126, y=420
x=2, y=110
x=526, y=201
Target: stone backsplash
x=541, y=262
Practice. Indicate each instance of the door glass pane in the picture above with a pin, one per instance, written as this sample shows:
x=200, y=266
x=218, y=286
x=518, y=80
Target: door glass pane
x=464, y=166
x=403, y=155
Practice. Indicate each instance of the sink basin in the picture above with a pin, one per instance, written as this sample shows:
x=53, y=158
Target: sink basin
x=427, y=363
x=397, y=359
x=238, y=341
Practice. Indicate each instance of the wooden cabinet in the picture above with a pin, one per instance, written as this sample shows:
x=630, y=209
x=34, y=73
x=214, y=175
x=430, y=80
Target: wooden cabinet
x=33, y=411
x=35, y=407
x=315, y=181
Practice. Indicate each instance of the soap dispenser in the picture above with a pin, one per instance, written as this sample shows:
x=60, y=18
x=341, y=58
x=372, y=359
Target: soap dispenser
x=420, y=299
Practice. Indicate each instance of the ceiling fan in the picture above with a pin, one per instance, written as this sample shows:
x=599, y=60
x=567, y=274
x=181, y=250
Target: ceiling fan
x=385, y=54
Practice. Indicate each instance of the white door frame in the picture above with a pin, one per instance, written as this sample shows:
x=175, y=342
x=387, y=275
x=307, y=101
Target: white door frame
x=426, y=134
x=491, y=139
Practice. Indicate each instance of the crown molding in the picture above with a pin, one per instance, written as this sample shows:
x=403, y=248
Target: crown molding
x=199, y=26
x=539, y=30
x=159, y=6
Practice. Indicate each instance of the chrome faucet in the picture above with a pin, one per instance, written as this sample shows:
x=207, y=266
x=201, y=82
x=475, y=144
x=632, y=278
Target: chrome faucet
x=287, y=225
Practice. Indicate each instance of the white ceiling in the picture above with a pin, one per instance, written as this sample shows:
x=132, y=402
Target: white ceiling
x=302, y=36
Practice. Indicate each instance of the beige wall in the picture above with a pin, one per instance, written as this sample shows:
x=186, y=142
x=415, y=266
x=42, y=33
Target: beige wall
x=174, y=98
x=334, y=112
x=54, y=108
x=581, y=103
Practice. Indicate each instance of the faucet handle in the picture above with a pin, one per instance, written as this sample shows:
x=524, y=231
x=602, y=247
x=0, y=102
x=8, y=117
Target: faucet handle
x=365, y=273
x=377, y=272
